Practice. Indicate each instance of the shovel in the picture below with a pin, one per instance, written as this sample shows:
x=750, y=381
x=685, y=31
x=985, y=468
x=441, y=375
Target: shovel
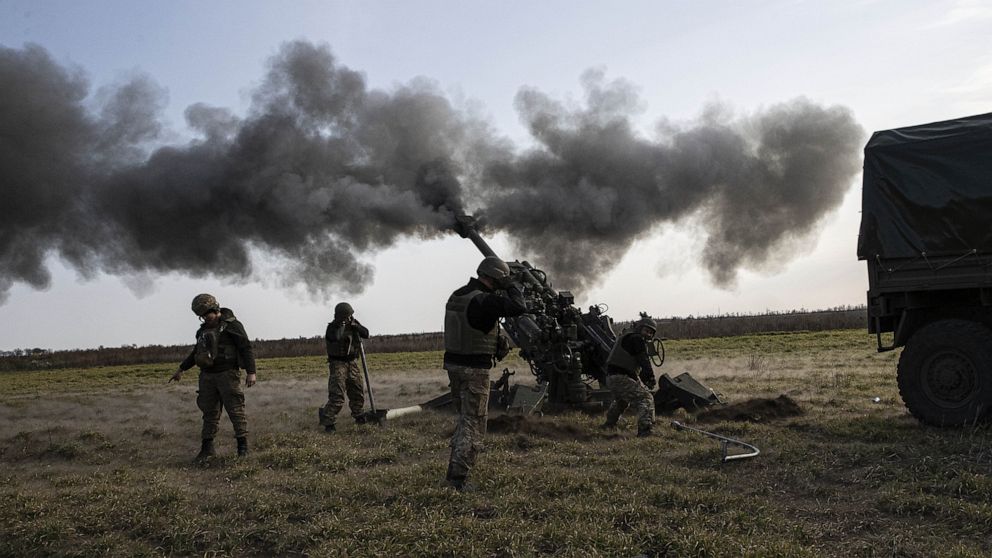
x=378, y=417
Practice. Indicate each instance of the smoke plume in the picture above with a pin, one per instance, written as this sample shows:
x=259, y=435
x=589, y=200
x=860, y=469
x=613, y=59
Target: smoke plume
x=322, y=171
x=593, y=185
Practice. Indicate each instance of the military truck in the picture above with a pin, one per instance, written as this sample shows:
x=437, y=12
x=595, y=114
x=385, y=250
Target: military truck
x=926, y=235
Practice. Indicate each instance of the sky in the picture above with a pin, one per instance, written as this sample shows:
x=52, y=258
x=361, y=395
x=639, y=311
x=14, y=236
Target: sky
x=669, y=72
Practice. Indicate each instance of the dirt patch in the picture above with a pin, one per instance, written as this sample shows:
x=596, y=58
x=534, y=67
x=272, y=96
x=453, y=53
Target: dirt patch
x=754, y=410
x=533, y=426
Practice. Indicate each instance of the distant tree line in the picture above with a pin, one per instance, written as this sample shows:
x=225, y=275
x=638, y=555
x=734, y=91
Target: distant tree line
x=689, y=327
x=732, y=325
x=29, y=359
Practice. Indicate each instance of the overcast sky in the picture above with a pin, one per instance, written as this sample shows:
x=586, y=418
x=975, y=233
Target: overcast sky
x=885, y=63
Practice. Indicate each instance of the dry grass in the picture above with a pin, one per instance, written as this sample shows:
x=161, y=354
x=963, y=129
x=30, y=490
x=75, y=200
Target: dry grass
x=97, y=462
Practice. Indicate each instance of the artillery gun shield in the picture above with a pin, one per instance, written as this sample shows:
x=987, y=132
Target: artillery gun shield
x=683, y=391
x=526, y=400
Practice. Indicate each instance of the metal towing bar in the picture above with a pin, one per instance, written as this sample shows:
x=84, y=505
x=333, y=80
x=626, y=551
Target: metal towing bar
x=724, y=443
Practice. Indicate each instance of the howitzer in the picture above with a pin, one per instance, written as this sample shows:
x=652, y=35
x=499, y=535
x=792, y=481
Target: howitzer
x=566, y=348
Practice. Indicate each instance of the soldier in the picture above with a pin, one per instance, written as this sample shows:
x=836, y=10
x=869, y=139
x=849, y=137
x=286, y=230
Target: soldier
x=471, y=332
x=222, y=349
x=343, y=339
x=628, y=357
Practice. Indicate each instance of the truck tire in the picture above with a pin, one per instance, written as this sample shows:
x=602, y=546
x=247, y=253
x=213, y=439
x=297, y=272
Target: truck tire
x=945, y=373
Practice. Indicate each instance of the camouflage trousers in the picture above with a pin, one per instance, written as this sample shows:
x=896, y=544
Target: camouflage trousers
x=217, y=390
x=628, y=391
x=344, y=377
x=470, y=395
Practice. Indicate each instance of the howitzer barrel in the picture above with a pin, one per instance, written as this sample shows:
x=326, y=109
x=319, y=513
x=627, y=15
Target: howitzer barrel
x=467, y=227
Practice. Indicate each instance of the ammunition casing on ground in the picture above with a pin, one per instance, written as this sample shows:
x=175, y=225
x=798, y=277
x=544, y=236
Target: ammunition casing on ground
x=394, y=413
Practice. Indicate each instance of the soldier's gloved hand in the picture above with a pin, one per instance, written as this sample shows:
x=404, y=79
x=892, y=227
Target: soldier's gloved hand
x=177, y=376
x=518, y=278
x=250, y=379
x=516, y=294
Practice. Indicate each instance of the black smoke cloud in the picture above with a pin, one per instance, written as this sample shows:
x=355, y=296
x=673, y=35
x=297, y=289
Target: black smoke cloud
x=593, y=184
x=322, y=170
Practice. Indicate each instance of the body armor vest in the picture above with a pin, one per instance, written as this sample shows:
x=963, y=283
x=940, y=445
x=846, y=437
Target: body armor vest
x=620, y=358
x=459, y=336
x=342, y=342
x=215, y=350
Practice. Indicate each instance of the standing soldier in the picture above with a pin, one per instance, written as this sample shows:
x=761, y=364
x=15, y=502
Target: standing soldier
x=222, y=349
x=471, y=331
x=343, y=338
x=628, y=357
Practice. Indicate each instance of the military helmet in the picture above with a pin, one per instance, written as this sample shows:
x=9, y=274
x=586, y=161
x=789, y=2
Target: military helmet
x=203, y=303
x=343, y=310
x=645, y=322
x=493, y=267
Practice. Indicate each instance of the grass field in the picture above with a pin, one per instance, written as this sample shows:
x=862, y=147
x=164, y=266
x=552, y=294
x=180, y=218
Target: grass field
x=98, y=462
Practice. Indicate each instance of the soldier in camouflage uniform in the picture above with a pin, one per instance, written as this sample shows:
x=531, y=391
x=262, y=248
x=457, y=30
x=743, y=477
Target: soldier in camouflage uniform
x=471, y=330
x=628, y=357
x=343, y=339
x=222, y=349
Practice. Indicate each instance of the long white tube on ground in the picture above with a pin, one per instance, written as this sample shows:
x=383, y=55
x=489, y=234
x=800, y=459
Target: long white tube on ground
x=393, y=413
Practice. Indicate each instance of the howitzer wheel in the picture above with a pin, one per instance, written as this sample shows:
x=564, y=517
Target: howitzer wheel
x=945, y=373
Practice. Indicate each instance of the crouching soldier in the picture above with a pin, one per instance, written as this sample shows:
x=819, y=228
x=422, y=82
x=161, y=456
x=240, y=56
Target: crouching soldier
x=343, y=338
x=631, y=378
x=222, y=349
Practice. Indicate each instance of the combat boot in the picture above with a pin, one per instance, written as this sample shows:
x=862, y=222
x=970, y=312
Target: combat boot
x=242, y=446
x=206, y=451
x=361, y=419
x=458, y=481
x=466, y=486
x=608, y=425
x=460, y=484
x=329, y=428
x=643, y=431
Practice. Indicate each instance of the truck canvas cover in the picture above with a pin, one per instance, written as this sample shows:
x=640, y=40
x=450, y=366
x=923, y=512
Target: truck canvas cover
x=927, y=190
